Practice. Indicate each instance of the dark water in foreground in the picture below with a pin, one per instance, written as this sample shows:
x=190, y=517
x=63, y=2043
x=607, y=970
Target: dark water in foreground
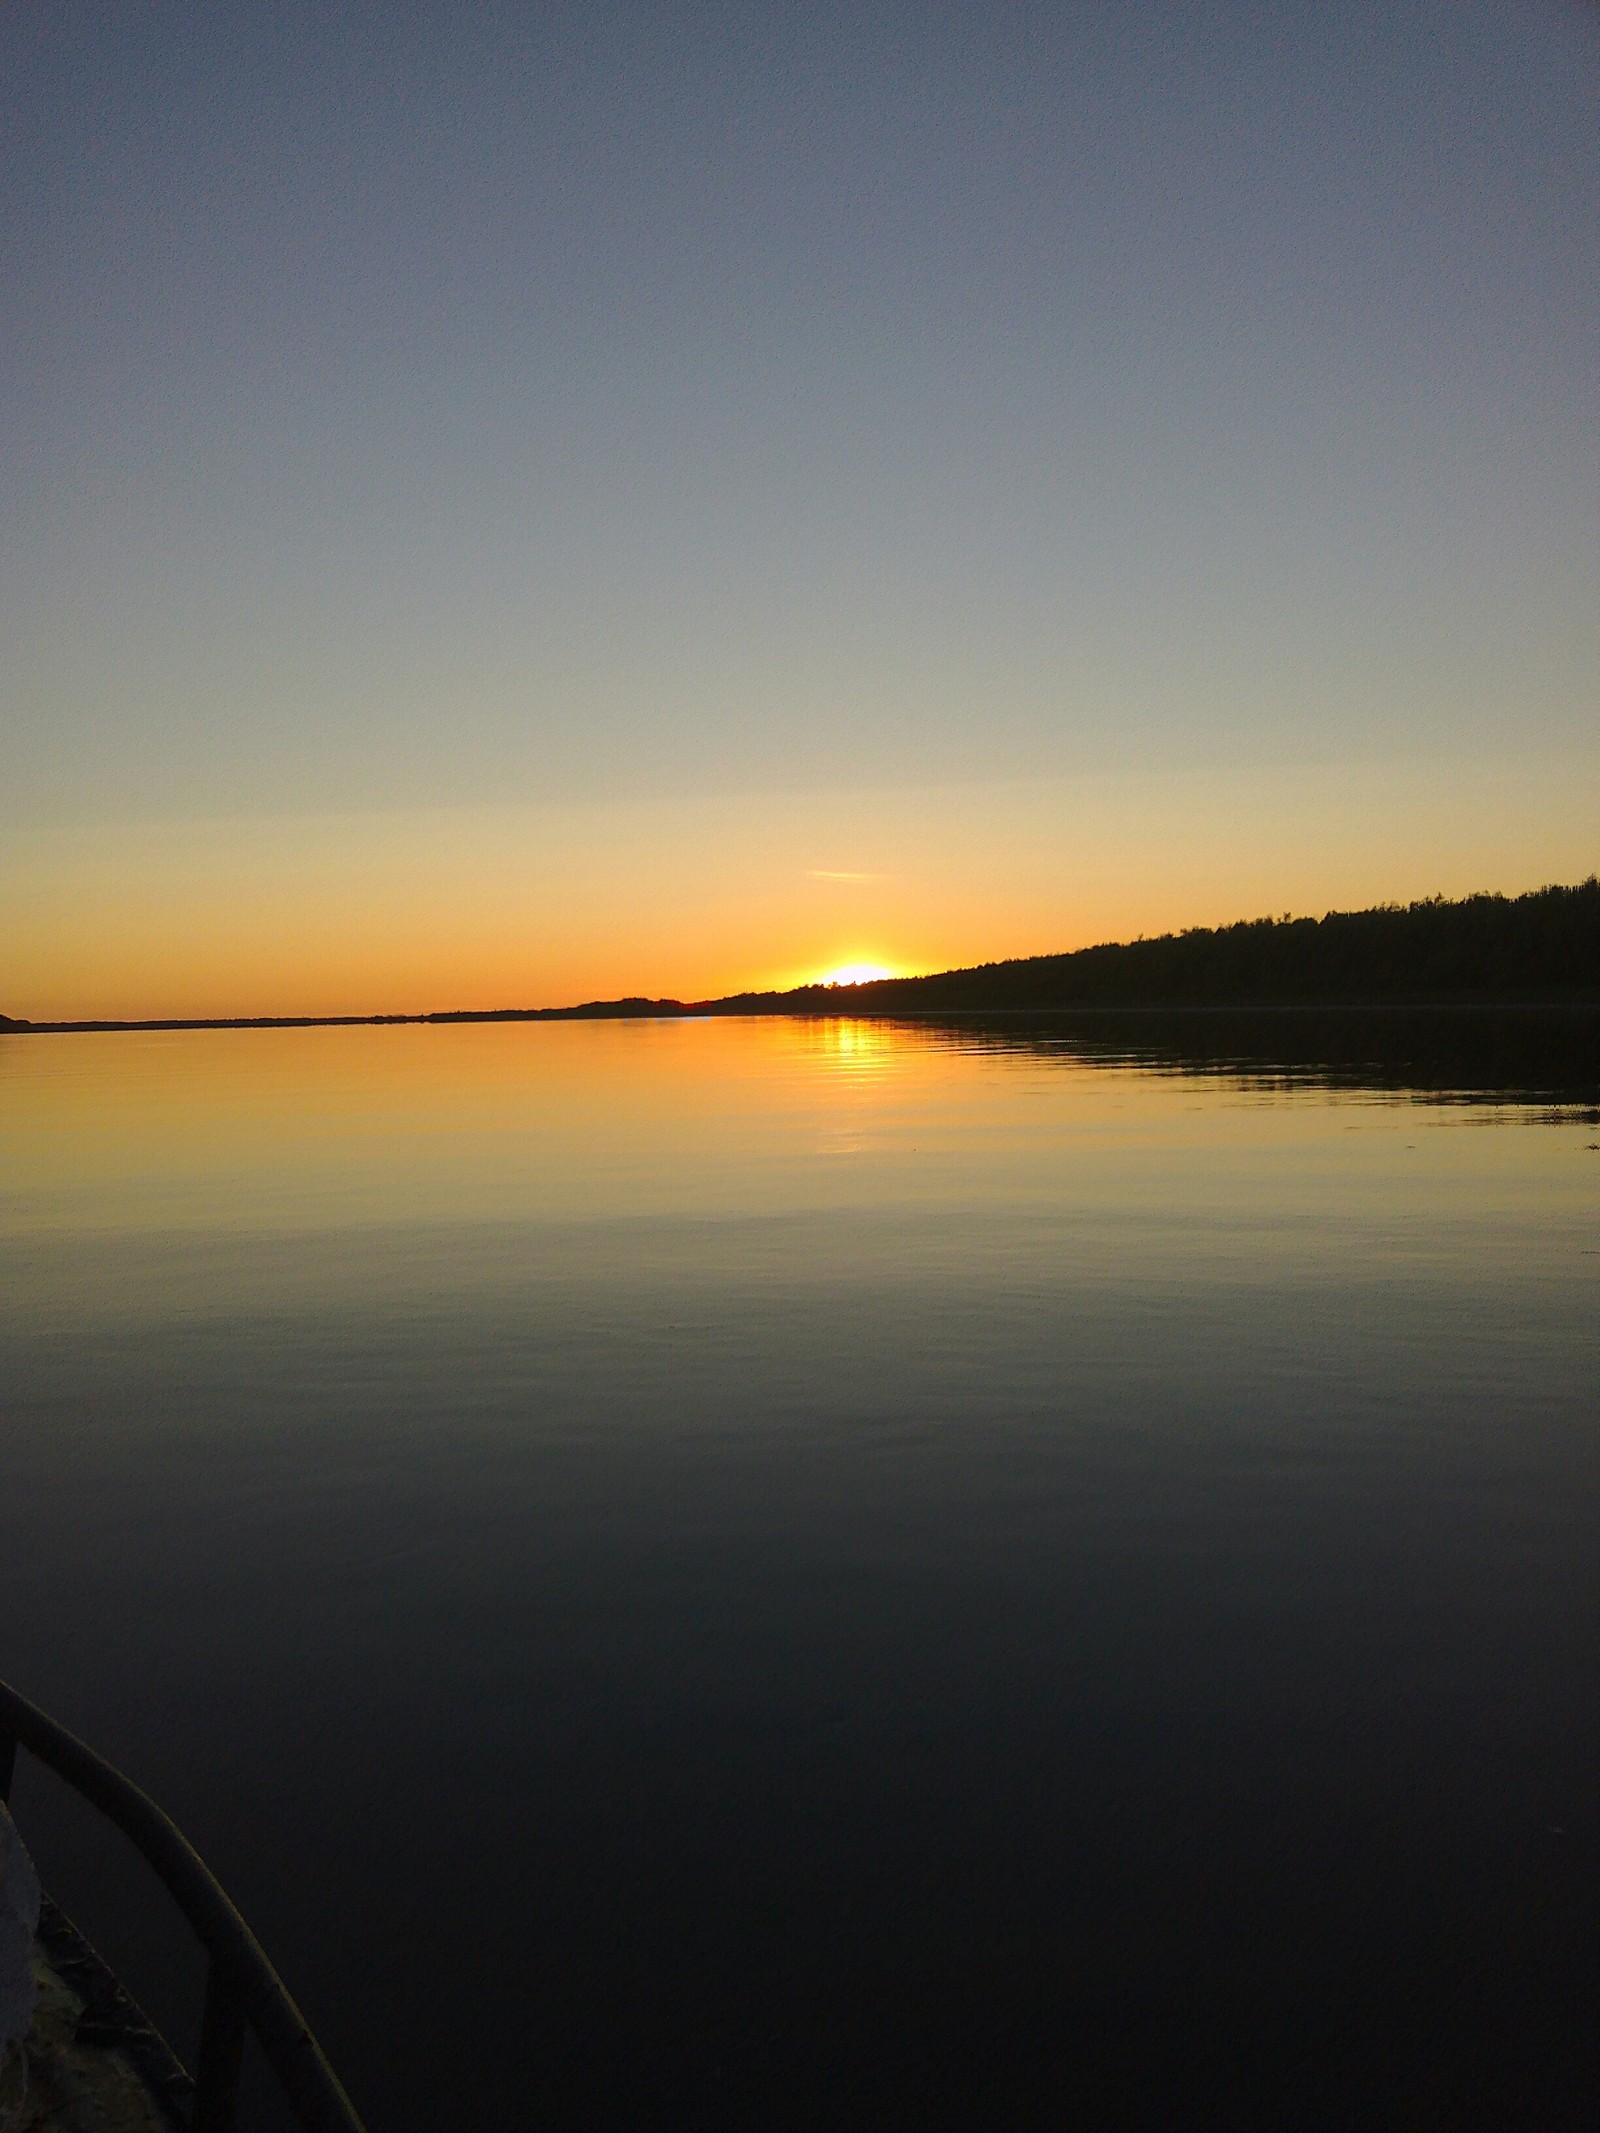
x=812, y=1575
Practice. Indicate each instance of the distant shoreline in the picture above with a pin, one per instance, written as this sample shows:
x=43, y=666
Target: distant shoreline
x=1538, y=951
x=844, y=1011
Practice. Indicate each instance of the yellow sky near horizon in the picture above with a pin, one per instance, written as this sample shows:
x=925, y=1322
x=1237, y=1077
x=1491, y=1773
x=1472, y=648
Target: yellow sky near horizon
x=532, y=907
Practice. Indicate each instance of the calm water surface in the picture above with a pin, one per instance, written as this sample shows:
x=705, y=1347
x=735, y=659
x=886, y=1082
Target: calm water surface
x=764, y=1574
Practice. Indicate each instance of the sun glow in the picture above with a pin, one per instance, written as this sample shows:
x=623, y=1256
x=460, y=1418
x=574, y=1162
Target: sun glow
x=855, y=974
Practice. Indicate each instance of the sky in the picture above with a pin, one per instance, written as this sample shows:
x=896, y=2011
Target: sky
x=503, y=505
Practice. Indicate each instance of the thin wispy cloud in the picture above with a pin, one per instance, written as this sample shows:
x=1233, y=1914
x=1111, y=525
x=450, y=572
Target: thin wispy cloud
x=836, y=874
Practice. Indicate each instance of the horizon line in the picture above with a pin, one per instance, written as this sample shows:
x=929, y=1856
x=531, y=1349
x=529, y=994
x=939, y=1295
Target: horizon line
x=813, y=993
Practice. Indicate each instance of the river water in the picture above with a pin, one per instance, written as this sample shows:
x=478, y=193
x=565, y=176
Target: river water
x=823, y=1574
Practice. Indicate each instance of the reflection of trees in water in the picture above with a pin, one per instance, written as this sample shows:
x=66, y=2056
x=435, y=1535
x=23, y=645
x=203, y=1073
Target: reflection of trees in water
x=1534, y=1056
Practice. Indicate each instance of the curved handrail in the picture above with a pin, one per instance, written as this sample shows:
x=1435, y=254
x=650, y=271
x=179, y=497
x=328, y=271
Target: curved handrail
x=241, y=1978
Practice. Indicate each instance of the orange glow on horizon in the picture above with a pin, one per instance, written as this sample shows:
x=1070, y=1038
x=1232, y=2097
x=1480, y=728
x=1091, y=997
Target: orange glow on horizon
x=698, y=899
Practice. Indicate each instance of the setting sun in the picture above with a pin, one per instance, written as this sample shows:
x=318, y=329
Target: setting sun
x=855, y=974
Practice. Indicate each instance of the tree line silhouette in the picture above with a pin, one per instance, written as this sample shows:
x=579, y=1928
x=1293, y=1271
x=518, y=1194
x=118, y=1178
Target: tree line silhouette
x=1542, y=947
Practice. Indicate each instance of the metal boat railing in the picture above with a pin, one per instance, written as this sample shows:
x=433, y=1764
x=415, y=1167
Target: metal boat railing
x=243, y=1991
